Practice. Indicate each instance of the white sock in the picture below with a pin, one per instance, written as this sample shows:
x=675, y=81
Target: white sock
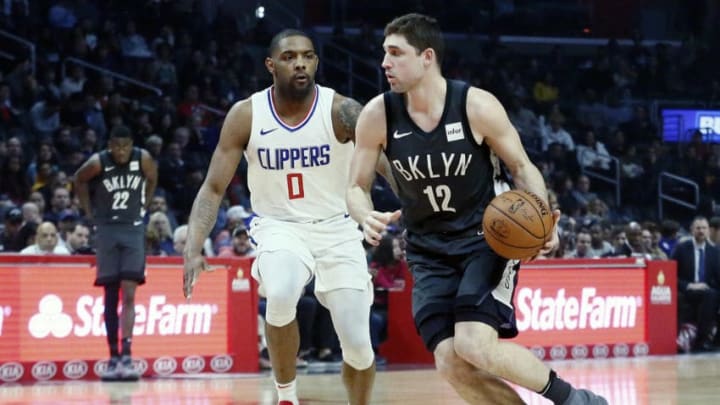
x=287, y=392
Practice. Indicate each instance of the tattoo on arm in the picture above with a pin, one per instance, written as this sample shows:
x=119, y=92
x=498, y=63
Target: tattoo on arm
x=202, y=220
x=349, y=112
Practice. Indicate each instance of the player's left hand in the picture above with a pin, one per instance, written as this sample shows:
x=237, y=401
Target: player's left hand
x=554, y=240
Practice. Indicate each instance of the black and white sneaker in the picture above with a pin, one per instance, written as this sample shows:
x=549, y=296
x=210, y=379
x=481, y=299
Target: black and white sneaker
x=112, y=372
x=127, y=369
x=584, y=397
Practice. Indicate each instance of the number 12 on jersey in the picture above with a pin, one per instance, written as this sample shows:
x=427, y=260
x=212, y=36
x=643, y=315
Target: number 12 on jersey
x=295, y=186
x=439, y=193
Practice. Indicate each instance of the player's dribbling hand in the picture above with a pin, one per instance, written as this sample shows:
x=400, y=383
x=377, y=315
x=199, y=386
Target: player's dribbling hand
x=554, y=241
x=375, y=224
x=192, y=267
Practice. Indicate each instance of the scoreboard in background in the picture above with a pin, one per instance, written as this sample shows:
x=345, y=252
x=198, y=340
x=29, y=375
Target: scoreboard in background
x=678, y=124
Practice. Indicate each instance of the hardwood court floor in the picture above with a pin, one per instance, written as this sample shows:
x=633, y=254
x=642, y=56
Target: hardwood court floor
x=653, y=380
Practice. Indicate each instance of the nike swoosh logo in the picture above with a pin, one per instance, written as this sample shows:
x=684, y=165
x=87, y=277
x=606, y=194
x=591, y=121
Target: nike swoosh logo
x=136, y=223
x=267, y=131
x=481, y=233
x=109, y=168
x=396, y=135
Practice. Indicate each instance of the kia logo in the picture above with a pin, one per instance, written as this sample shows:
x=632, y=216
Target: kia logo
x=100, y=367
x=600, y=351
x=558, y=352
x=538, y=351
x=641, y=349
x=10, y=372
x=140, y=365
x=75, y=369
x=165, y=365
x=44, y=370
x=193, y=364
x=221, y=363
x=579, y=352
x=621, y=350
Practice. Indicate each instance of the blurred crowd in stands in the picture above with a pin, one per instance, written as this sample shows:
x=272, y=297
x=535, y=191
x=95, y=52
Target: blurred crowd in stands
x=169, y=70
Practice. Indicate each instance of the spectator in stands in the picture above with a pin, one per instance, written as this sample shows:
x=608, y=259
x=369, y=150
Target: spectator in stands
x=38, y=199
x=235, y=216
x=640, y=129
x=241, y=245
x=600, y=246
x=179, y=240
x=592, y=154
x=59, y=202
x=45, y=116
x=46, y=242
x=9, y=235
x=583, y=246
x=714, y=234
x=159, y=204
x=13, y=181
x=77, y=239
x=621, y=248
x=526, y=123
x=73, y=83
x=555, y=133
x=668, y=236
x=31, y=213
x=9, y=115
x=160, y=223
x=545, y=91
x=698, y=281
x=650, y=239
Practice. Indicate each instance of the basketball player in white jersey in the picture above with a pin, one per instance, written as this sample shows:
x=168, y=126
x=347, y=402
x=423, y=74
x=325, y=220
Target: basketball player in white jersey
x=298, y=139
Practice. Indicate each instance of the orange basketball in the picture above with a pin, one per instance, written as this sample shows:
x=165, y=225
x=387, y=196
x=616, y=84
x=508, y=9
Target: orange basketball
x=517, y=224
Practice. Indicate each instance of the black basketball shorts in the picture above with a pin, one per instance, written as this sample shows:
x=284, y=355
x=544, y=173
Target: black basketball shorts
x=120, y=254
x=459, y=279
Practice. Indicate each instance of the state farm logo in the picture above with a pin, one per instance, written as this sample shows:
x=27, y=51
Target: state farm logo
x=165, y=365
x=539, y=311
x=641, y=349
x=44, y=370
x=75, y=369
x=221, y=363
x=579, y=352
x=158, y=317
x=50, y=319
x=193, y=364
x=600, y=351
x=558, y=352
x=621, y=350
x=10, y=372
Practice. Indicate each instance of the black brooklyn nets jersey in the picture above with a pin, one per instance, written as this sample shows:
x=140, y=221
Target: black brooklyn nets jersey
x=119, y=191
x=445, y=178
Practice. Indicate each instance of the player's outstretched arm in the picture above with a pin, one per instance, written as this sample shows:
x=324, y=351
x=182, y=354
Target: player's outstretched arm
x=369, y=144
x=489, y=123
x=234, y=137
x=83, y=175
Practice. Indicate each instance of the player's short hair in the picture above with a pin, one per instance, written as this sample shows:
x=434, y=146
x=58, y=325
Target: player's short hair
x=290, y=32
x=421, y=31
x=120, y=131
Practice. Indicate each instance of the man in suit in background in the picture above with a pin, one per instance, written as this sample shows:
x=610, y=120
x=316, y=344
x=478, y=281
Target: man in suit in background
x=698, y=264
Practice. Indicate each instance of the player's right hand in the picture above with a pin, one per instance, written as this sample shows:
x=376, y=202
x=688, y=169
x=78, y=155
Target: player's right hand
x=375, y=224
x=192, y=267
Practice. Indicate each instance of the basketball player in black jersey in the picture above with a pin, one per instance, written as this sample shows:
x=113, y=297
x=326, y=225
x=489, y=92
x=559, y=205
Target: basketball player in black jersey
x=444, y=140
x=114, y=187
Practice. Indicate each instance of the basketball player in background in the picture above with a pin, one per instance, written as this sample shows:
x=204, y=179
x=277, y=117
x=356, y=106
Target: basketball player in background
x=444, y=139
x=113, y=187
x=297, y=137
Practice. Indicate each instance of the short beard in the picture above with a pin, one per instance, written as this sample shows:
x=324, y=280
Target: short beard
x=294, y=94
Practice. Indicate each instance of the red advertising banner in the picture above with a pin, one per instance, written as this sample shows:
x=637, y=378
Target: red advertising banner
x=51, y=319
x=571, y=309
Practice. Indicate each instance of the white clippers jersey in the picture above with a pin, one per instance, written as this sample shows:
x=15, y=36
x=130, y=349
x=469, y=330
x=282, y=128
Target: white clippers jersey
x=296, y=173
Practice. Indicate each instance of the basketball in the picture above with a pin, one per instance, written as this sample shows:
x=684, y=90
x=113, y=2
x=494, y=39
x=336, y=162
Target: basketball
x=517, y=224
